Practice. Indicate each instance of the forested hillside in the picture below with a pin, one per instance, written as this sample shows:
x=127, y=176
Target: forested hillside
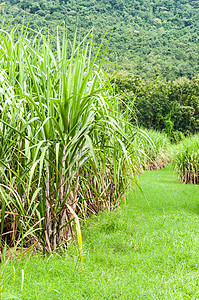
x=150, y=37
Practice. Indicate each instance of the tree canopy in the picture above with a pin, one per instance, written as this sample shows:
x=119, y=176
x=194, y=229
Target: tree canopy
x=150, y=37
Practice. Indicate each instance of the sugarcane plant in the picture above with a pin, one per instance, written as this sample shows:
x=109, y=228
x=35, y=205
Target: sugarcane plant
x=65, y=150
x=186, y=159
x=153, y=149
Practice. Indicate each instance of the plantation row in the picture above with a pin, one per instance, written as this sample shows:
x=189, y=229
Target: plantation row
x=156, y=151
x=186, y=159
x=66, y=149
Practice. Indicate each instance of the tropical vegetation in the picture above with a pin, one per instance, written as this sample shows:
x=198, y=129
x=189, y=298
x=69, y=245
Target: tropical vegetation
x=74, y=136
x=69, y=144
x=150, y=37
x=66, y=150
x=167, y=106
x=186, y=159
x=153, y=149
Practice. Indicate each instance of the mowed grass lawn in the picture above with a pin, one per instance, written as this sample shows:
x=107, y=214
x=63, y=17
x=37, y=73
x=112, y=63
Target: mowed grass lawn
x=136, y=252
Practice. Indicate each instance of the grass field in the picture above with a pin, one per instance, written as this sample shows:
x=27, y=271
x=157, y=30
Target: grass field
x=139, y=251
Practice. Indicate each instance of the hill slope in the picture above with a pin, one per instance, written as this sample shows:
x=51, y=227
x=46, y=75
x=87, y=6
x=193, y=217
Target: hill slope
x=150, y=37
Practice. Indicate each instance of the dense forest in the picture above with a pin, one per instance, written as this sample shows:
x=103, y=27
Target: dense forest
x=150, y=38
x=168, y=106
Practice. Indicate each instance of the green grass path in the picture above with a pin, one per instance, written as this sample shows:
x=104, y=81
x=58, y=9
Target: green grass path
x=136, y=252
